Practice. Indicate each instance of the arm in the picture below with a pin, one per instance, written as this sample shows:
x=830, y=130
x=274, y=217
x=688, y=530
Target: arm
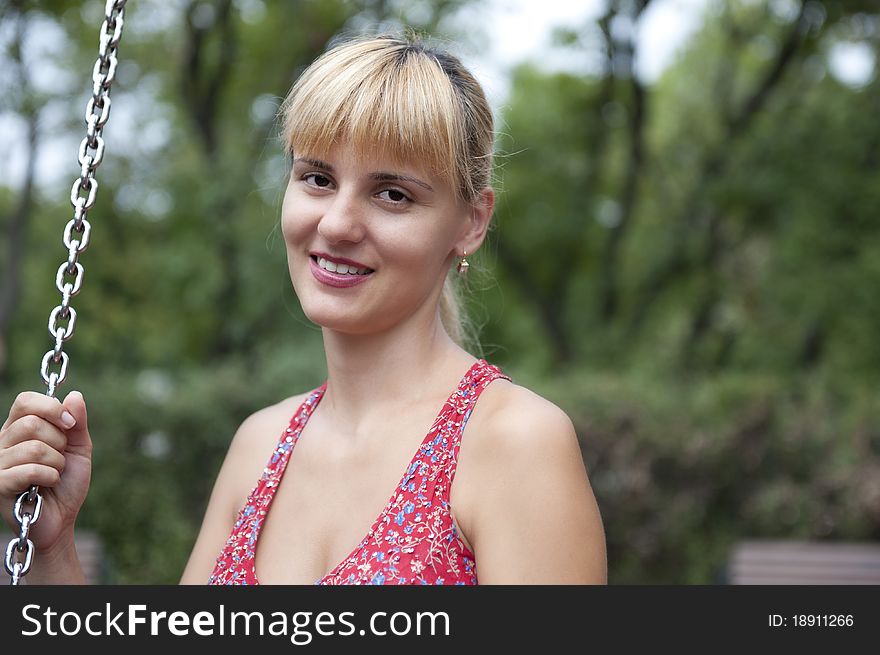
x=248, y=453
x=60, y=565
x=221, y=511
x=535, y=519
x=217, y=522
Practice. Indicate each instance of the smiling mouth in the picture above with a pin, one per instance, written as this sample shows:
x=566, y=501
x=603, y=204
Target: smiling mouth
x=339, y=268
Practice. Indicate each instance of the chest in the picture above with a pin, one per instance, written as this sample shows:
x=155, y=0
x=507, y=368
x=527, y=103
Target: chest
x=334, y=495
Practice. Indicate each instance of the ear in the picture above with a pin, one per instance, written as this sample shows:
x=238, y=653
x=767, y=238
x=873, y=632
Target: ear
x=479, y=218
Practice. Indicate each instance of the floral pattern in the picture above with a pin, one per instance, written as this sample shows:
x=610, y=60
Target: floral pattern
x=414, y=540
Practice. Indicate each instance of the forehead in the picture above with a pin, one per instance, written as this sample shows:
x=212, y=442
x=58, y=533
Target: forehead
x=346, y=159
x=402, y=114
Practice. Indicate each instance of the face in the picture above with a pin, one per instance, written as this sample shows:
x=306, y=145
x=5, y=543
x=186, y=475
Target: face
x=369, y=241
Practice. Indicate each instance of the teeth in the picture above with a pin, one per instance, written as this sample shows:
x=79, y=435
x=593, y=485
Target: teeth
x=343, y=269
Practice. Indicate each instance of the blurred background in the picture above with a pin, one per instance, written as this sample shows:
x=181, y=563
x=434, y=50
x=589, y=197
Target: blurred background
x=686, y=254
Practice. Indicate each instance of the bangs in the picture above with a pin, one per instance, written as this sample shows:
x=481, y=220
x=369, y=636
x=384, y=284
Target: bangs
x=379, y=98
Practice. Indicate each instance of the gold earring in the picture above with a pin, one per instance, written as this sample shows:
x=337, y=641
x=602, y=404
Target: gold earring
x=463, y=264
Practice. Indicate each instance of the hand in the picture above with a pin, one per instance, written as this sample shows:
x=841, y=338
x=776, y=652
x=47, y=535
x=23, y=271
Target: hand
x=39, y=445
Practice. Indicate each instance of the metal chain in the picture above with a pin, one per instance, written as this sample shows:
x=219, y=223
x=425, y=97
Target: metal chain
x=20, y=551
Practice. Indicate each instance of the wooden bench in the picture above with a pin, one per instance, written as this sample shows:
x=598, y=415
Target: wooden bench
x=784, y=562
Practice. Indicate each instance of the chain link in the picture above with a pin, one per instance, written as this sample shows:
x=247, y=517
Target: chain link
x=20, y=550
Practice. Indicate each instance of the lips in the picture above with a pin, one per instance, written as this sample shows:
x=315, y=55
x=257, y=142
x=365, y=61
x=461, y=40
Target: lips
x=338, y=272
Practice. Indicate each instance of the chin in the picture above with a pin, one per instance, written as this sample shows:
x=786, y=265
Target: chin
x=342, y=320
x=350, y=320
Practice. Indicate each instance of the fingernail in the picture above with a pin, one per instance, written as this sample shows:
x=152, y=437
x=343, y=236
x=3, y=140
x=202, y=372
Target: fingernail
x=67, y=419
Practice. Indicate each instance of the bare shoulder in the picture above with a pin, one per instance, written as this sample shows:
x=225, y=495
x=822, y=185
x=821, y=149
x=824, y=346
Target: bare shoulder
x=525, y=501
x=248, y=453
x=518, y=438
x=514, y=421
x=264, y=426
x=254, y=442
x=250, y=449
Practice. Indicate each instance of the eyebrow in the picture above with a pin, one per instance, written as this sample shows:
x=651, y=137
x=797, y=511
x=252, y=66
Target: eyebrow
x=379, y=175
x=397, y=177
x=317, y=163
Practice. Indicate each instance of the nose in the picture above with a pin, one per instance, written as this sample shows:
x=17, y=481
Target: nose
x=343, y=219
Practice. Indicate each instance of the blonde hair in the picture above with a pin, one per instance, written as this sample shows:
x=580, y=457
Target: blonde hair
x=410, y=101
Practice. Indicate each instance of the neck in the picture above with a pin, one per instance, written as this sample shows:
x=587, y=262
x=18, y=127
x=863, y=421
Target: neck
x=371, y=376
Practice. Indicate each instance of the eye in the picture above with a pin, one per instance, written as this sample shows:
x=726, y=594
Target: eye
x=317, y=180
x=394, y=196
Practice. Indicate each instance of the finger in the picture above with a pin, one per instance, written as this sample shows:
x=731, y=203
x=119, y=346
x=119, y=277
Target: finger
x=31, y=452
x=31, y=402
x=78, y=435
x=33, y=427
x=13, y=480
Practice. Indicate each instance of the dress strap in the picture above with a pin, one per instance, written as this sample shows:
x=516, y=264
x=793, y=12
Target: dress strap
x=462, y=404
x=278, y=460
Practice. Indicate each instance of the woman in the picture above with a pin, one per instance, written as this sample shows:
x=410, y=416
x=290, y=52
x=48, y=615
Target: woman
x=391, y=145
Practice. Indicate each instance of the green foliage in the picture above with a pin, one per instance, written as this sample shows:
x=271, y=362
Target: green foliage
x=683, y=469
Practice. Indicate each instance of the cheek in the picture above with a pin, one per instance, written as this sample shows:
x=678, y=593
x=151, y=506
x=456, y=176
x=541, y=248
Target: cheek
x=426, y=247
x=408, y=246
x=420, y=263
x=294, y=221
x=288, y=228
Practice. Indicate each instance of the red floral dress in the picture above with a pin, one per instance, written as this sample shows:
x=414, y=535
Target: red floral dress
x=414, y=540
